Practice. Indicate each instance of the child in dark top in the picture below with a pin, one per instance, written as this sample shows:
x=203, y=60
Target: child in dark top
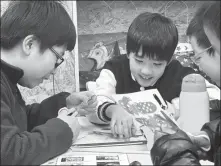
x=180, y=148
x=34, y=37
x=151, y=41
x=202, y=58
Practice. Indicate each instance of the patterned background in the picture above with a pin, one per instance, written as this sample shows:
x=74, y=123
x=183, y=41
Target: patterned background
x=107, y=22
x=96, y=17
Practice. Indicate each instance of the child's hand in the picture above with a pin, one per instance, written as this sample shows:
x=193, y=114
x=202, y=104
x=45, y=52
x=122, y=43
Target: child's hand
x=176, y=106
x=173, y=108
x=72, y=122
x=122, y=123
x=86, y=102
x=201, y=139
x=174, y=149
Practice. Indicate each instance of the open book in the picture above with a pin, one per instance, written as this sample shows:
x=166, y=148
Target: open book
x=92, y=135
x=145, y=108
x=146, y=111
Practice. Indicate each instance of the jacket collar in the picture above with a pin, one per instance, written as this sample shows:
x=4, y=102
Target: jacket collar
x=13, y=73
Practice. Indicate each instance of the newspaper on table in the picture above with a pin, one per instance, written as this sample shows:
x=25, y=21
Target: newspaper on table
x=94, y=159
x=99, y=159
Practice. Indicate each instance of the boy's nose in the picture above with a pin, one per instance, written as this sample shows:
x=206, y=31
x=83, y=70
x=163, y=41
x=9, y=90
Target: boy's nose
x=146, y=70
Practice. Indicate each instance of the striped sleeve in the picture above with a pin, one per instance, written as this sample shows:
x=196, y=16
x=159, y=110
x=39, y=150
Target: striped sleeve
x=104, y=88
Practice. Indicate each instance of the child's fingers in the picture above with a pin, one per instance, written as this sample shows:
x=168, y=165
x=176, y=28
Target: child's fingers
x=126, y=129
x=130, y=125
x=175, y=103
x=84, y=112
x=89, y=94
x=63, y=111
x=76, y=99
x=74, y=114
x=112, y=125
x=89, y=110
x=119, y=129
x=92, y=105
x=92, y=99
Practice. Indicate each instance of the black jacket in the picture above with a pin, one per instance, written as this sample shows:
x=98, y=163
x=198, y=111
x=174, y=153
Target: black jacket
x=177, y=149
x=174, y=149
x=30, y=134
x=213, y=129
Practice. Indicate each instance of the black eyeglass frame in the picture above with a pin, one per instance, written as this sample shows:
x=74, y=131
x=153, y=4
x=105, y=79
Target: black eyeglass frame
x=58, y=57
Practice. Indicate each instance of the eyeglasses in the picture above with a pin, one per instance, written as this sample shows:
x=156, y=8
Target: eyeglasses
x=195, y=58
x=60, y=59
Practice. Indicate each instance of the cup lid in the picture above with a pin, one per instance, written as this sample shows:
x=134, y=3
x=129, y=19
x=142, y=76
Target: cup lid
x=193, y=83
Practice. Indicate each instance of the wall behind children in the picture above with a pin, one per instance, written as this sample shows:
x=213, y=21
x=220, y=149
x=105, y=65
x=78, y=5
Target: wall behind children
x=66, y=77
x=102, y=28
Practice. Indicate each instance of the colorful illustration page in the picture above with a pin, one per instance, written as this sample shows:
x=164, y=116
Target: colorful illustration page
x=144, y=107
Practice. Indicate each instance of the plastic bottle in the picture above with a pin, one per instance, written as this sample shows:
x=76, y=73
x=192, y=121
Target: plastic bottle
x=194, y=103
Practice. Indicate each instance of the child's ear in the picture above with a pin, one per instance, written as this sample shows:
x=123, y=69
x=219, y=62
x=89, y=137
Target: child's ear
x=28, y=43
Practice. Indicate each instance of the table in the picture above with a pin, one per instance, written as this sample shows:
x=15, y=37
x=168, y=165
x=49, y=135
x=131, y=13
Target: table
x=134, y=152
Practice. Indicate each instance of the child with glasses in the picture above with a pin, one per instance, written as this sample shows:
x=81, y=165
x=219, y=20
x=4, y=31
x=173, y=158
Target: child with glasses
x=204, y=57
x=34, y=37
x=180, y=148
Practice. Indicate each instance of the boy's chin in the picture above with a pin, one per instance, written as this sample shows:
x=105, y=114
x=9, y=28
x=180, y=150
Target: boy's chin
x=144, y=83
x=30, y=83
x=33, y=84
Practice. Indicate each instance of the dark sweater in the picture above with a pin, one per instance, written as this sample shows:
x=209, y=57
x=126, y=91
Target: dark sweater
x=213, y=129
x=28, y=137
x=177, y=149
x=169, y=85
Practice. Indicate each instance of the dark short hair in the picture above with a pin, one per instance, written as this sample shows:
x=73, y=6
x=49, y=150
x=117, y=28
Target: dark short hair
x=211, y=17
x=195, y=28
x=157, y=35
x=48, y=21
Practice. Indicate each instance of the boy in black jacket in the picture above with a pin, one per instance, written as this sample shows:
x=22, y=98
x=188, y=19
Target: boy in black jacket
x=34, y=37
x=151, y=41
x=179, y=148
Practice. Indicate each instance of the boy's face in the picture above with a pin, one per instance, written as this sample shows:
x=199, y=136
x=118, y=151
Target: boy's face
x=209, y=64
x=146, y=71
x=215, y=42
x=39, y=65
